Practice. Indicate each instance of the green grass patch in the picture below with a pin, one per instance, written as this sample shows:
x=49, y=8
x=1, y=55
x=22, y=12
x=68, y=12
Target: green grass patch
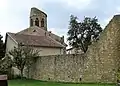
x=44, y=83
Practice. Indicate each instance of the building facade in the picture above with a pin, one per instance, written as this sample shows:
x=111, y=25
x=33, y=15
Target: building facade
x=37, y=36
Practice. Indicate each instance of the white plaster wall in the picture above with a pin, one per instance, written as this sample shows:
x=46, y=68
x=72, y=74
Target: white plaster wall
x=44, y=51
x=10, y=44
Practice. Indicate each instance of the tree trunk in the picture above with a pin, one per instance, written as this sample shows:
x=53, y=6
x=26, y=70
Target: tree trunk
x=28, y=72
x=21, y=73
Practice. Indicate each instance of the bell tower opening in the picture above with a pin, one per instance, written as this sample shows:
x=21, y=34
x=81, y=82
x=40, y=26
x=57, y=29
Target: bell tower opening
x=37, y=22
x=42, y=22
x=31, y=22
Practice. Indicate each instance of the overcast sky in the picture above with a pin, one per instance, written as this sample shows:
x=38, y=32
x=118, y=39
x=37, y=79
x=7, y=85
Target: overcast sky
x=14, y=14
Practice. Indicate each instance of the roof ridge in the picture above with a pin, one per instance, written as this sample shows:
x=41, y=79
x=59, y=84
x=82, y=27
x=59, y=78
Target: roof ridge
x=26, y=34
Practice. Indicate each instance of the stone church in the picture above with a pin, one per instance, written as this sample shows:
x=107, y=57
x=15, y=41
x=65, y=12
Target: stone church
x=37, y=36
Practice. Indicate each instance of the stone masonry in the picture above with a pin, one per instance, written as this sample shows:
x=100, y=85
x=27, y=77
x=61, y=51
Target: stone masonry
x=99, y=64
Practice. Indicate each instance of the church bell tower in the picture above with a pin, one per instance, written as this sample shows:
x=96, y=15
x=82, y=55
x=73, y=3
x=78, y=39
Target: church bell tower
x=38, y=18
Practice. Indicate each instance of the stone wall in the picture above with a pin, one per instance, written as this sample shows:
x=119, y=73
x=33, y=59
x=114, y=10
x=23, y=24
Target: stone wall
x=69, y=68
x=65, y=68
x=99, y=64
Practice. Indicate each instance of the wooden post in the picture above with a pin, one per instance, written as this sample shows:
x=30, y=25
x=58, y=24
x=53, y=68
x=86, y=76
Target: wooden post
x=3, y=80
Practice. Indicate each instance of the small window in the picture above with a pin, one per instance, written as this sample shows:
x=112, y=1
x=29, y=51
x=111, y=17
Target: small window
x=42, y=22
x=37, y=22
x=34, y=30
x=31, y=22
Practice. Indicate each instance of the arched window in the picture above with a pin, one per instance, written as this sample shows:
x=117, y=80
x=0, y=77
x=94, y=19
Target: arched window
x=42, y=22
x=37, y=22
x=31, y=22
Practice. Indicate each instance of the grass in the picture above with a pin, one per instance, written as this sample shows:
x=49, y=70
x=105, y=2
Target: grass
x=42, y=83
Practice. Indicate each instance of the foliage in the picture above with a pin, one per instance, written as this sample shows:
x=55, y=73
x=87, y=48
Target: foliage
x=118, y=74
x=5, y=65
x=2, y=48
x=23, y=57
x=81, y=34
x=31, y=54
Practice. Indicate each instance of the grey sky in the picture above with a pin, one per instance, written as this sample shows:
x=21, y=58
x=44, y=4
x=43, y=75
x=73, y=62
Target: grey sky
x=14, y=14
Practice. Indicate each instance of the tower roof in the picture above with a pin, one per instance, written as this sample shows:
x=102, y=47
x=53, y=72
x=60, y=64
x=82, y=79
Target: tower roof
x=36, y=11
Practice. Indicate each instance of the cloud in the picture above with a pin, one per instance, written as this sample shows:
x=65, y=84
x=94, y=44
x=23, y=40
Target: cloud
x=60, y=32
x=3, y=4
x=105, y=21
x=78, y=4
x=14, y=14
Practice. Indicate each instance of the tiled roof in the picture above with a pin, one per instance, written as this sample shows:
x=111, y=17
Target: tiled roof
x=43, y=41
x=37, y=31
x=34, y=30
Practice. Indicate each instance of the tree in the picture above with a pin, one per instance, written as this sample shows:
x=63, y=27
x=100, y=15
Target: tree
x=3, y=66
x=30, y=55
x=81, y=34
x=2, y=48
x=23, y=56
